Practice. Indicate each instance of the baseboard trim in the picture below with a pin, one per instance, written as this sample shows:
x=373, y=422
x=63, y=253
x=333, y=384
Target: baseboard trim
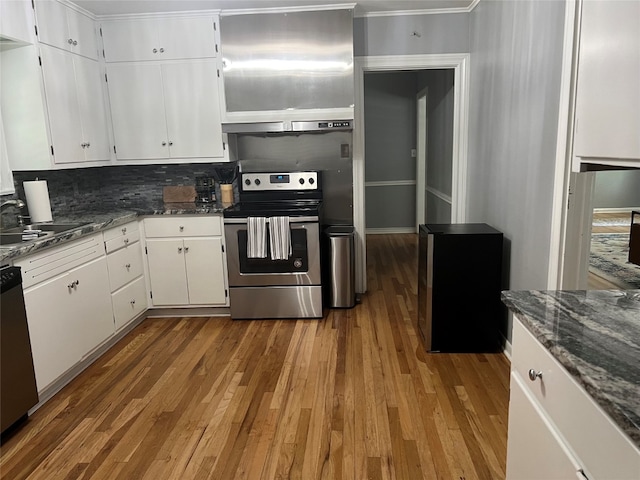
x=615, y=210
x=507, y=348
x=390, y=230
x=188, y=312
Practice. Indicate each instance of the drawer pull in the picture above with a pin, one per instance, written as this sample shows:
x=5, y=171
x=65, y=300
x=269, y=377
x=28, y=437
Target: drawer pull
x=128, y=266
x=182, y=228
x=126, y=241
x=124, y=230
x=132, y=302
x=533, y=375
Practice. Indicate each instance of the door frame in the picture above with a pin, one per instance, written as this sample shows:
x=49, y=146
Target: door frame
x=422, y=127
x=459, y=63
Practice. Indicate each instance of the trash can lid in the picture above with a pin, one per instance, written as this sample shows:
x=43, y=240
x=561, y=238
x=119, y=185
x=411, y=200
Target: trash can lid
x=338, y=230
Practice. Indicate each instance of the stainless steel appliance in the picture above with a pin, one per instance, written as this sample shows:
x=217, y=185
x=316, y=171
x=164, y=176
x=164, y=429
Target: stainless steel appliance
x=267, y=288
x=18, y=391
x=281, y=62
x=455, y=258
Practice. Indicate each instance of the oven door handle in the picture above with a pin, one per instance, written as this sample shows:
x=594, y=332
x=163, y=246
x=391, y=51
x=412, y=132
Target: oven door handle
x=240, y=221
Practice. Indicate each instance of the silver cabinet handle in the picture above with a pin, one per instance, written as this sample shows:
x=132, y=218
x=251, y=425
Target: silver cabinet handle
x=170, y=143
x=70, y=41
x=124, y=230
x=73, y=284
x=155, y=50
x=179, y=249
x=83, y=145
x=75, y=42
x=126, y=241
x=181, y=228
x=88, y=144
x=133, y=302
x=164, y=144
x=162, y=50
x=128, y=266
x=186, y=249
x=533, y=375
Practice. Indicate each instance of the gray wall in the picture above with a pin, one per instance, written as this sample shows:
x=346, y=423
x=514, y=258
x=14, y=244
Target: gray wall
x=390, y=134
x=392, y=35
x=515, y=88
x=617, y=189
x=440, y=99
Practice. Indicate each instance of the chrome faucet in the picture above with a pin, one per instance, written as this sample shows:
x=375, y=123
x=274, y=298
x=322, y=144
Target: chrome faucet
x=17, y=203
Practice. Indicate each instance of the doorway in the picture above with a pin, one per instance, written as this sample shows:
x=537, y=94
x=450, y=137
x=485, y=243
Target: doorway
x=457, y=64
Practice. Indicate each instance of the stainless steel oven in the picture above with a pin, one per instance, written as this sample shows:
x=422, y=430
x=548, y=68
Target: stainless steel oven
x=281, y=288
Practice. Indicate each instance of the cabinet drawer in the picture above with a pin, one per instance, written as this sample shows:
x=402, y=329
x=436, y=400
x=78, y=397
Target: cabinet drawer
x=602, y=448
x=181, y=226
x=129, y=302
x=51, y=262
x=121, y=231
x=122, y=241
x=124, y=265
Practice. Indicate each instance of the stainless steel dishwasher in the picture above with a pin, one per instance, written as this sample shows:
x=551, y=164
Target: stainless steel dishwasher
x=18, y=391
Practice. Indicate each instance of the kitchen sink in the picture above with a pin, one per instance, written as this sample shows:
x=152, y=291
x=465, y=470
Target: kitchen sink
x=13, y=236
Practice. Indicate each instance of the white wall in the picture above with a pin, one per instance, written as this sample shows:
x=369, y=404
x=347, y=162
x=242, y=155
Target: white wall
x=516, y=59
x=617, y=189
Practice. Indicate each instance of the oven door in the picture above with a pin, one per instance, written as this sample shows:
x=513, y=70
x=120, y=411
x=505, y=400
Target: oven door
x=302, y=267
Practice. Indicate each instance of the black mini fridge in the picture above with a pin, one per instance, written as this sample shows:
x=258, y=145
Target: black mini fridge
x=459, y=285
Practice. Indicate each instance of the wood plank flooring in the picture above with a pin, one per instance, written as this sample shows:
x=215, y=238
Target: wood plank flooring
x=352, y=396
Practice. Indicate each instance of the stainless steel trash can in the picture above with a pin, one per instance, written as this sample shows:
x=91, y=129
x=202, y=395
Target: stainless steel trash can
x=341, y=266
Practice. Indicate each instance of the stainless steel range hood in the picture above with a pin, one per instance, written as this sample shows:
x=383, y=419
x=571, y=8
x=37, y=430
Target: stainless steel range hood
x=284, y=126
x=285, y=71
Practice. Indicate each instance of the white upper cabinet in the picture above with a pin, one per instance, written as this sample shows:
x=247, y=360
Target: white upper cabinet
x=163, y=111
x=16, y=21
x=143, y=39
x=62, y=27
x=607, y=121
x=74, y=93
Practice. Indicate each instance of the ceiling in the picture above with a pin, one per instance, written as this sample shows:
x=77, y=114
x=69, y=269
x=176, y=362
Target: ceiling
x=363, y=7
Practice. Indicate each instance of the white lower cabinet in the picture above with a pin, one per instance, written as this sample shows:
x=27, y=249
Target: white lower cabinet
x=186, y=261
x=556, y=430
x=68, y=306
x=126, y=273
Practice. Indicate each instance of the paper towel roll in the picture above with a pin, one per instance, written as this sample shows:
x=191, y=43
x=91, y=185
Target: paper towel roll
x=37, y=195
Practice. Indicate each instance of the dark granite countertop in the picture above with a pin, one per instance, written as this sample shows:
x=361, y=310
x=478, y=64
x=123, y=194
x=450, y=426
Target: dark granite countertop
x=94, y=222
x=595, y=335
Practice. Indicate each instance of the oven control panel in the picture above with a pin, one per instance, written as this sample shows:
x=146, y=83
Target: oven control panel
x=261, y=182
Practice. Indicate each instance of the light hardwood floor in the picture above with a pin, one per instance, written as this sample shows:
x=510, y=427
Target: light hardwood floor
x=352, y=396
x=594, y=281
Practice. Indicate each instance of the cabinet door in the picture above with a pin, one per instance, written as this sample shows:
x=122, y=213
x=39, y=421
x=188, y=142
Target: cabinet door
x=167, y=273
x=129, y=302
x=193, y=113
x=92, y=109
x=16, y=21
x=137, y=110
x=53, y=28
x=205, y=271
x=82, y=31
x=186, y=38
x=535, y=450
x=62, y=104
x=91, y=305
x=607, y=99
x=56, y=338
x=130, y=40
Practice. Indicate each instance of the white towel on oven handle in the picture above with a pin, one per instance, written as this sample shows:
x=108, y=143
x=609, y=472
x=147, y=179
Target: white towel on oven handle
x=256, y=237
x=280, y=238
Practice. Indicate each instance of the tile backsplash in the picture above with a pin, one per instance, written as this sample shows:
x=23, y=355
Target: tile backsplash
x=116, y=187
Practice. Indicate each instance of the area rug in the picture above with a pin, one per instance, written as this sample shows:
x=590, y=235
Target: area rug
x=609, y=259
